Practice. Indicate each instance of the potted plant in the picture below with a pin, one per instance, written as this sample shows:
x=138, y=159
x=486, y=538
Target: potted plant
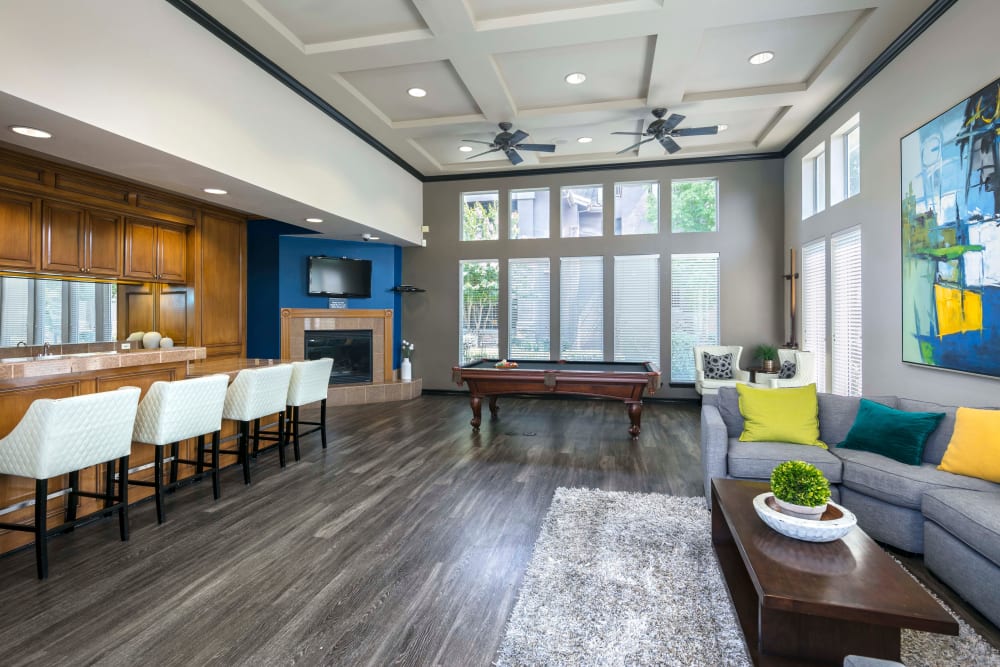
x=800, y=488
x=768, y=355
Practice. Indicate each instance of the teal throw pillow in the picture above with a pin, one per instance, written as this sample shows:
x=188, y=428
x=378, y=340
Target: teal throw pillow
x=898, y=434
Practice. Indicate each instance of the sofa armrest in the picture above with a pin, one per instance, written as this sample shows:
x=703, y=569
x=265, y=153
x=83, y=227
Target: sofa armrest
x=741, y=375
x=714, y=447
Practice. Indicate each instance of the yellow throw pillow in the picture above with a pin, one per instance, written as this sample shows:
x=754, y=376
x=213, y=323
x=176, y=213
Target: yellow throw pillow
x=789, y=414
x=974, y=448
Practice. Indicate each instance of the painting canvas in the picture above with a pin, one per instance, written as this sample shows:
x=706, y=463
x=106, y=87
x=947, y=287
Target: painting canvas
x=951, y=238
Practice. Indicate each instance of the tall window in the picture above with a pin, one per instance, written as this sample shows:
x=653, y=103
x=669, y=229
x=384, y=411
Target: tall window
x=529, y=214
x=39, y=311
x=814, y=306
x=637, y=208
x=478, y=323
x=581, y=308
x=637, y=308
x=528, y=280
x=694, y=205
x=845, y=290
x=694, y=310
x=480, y=221
x=581, y=211
x=814, y=181
x=845, y=161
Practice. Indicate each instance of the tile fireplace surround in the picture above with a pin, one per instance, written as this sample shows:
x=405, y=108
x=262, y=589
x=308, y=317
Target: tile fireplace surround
x=384, y=386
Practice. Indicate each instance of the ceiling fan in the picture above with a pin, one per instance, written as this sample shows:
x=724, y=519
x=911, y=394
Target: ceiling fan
x=664, y=131
x=508, y=142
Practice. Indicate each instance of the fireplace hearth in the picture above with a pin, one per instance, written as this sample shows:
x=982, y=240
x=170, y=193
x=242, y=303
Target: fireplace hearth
x=351, y=351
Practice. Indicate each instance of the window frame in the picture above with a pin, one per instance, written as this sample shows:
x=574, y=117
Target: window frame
x=617, y=184
x=510, y=214
x=840, y=161
x=717, y=222
x=562, y=190
x=814, y=181
x=619, y=333
x=461, y=215
x=512, y=320
x=675, y=351
x=461, y=305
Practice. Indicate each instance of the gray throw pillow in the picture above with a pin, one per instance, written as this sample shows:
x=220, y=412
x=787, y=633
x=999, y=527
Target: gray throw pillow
x=787, y=370
x=717, y=366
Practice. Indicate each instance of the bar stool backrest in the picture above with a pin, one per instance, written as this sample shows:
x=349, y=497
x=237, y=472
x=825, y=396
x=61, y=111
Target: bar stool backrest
x=257, y=392
x=57, y=436
x=310, y=381
x=175, y=411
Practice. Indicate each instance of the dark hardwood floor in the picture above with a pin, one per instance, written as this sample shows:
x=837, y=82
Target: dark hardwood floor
x=403, y=543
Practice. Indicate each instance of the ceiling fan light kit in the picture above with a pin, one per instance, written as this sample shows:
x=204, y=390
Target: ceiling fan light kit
x=510, y=142
x=664, y=131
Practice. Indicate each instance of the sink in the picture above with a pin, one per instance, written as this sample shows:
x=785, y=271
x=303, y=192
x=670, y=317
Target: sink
x=15, y=360
x=44, y=357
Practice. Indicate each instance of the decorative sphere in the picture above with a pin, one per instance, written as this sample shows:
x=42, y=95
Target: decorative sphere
x=151, y=340
x=166, y=342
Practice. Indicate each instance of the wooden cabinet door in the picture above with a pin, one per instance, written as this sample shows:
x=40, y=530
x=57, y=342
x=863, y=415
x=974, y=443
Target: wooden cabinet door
x=171, y=254
x=222, y=289
x=62, y=238
x=18, y=243
x=103, y=241
x=140, y=249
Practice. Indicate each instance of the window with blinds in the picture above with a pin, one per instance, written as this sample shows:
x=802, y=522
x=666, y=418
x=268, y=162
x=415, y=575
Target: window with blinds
x=814, y=306
x=845, y=291
x=694, y=310
x=477, y=319
x=528, y=315
x=36, y=311
x=581, y=308
x=637, y=308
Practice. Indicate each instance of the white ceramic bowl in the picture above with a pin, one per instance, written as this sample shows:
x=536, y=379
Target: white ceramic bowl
x=808, y=530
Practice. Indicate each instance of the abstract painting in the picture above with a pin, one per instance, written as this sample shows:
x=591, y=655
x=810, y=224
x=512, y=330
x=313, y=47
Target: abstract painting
x=951, y=238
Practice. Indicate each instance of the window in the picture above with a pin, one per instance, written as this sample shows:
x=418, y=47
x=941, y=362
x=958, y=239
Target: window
x=637, y=208
x=479, y=216
x=528, y=280
x=56, y=311
x=814, y=181
x=694, y=205
x=581, y=308
x=694, y=310
x=637, y=308
x=478, y=324
x=529, y=214
x=845, y=291
x=814, y=306
x=581, y=211
x=845, y=161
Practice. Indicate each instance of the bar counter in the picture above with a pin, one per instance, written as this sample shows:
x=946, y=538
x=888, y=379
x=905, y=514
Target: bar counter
x=228, y=366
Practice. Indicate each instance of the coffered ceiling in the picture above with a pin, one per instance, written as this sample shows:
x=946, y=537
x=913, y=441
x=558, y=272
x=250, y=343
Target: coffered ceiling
x=486, y=61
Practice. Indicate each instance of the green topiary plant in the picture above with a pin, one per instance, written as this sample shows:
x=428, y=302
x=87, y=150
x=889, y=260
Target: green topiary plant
x=800, y=483
x=767, y=352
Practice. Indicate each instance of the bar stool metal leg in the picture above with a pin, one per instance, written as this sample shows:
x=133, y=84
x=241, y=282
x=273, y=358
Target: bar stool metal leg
x=295, y=432
x=175, y=452
x=158, y=484
x=41, y=531
x=123, y=497
x=245, y=450
x=109, y=484
x=72, y=498
x=322, y=422
x=216, y=482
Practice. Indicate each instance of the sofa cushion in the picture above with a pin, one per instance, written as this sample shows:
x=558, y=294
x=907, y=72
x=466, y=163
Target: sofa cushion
x=728, y=402
x=898, y=434
x=837, y=413
x=780, y=415
x=756, y=460
x=937, y=443
x=898, y=483
x=971, y=516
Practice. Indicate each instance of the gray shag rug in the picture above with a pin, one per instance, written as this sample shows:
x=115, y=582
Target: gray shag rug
x=631, y=579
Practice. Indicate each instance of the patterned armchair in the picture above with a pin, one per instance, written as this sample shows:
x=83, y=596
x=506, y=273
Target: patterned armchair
x=704, y=383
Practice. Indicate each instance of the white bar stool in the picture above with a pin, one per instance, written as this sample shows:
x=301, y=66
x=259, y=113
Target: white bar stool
x=256, y=393
x=310, y=383
x=175, y=411
x=66, y=435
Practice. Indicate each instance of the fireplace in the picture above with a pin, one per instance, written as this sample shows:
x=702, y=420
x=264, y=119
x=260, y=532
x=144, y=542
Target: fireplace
x=351, y=351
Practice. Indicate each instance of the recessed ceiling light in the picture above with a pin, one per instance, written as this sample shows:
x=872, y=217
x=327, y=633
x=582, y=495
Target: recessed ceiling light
x=575, y=78
x=465, y=149
x=416, y=92
x=32, y=132
x=314, y=219
x=215, y=191
x=762, y=57
x=584, y=140
x=722, y=127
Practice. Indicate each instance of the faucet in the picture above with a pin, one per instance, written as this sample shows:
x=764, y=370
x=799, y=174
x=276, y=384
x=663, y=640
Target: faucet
x=45, y=349
x=20, y=343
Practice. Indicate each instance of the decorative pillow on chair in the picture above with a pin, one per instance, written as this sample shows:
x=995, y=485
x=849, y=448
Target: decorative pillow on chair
x=898, y=434
x=974, y=448
x=717, y=366
x=787, y=371
x=780, y=415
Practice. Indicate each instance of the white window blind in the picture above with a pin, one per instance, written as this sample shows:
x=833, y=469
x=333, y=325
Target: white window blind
x=845, y=290
x=637, y=308
x=694, y=310
x=478, y=324
x=814, y=306
x=49, y=311
x=16, y=316
x=581, y=308
x=528, y=281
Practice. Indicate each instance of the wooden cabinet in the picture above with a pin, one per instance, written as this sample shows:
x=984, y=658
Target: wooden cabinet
x=155, y=307
x=221, y=285
x=155, y=252
x=75, y=240
x=18, y=248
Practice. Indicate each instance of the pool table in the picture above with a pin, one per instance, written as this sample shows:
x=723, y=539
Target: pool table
x=621, y=380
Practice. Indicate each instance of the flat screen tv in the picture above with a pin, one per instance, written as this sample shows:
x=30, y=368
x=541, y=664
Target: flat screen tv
x=340, y=276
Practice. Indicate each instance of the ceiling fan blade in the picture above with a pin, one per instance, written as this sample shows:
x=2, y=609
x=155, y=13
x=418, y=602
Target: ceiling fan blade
x=545, y=148
x=631, y=134
x=672, y=122
x=696, y=131
x=492, y=150
x=513, y=156
x=517, y=137
x=477, y=141
x=626, y=150
x=668, y=143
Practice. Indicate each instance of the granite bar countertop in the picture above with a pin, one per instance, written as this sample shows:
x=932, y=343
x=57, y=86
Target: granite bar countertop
x=13, y=368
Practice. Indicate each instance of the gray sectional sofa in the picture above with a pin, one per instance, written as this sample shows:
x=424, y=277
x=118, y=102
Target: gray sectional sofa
x=952, y=519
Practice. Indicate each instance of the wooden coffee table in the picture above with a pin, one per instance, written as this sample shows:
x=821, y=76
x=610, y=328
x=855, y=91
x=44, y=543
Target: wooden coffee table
x=805, y=603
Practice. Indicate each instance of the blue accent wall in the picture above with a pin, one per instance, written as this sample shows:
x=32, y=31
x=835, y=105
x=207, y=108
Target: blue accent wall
x=278, y=278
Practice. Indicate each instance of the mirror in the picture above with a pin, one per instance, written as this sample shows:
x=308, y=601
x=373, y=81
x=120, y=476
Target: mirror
x=34, y=311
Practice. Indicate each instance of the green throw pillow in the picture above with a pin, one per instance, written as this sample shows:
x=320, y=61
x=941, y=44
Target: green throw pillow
x=780, y=415
x=898, y=434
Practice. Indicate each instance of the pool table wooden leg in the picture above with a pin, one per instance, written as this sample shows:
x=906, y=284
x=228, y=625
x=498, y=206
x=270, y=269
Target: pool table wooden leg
x=635, y=416
x=477, y=411
x=494, y=410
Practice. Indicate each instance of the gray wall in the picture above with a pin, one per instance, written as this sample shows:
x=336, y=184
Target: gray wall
x=749, y=241
x=942, y=67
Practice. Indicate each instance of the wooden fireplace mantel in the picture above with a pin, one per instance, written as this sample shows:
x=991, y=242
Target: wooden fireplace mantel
x=294, y=321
